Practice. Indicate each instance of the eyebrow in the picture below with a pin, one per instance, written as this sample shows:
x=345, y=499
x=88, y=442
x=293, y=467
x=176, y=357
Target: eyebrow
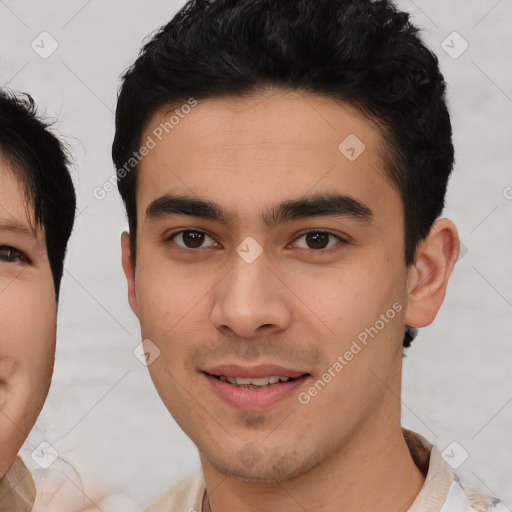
x=326, y=204
x=15, y=227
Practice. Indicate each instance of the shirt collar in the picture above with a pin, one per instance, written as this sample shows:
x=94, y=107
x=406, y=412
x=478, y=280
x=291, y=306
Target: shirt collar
x=438, y=478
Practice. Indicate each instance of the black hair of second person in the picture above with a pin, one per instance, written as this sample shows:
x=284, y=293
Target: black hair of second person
x=40, y=161
x=361, y=52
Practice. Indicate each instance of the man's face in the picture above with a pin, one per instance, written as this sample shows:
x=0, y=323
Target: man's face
x=249, y=298
x=27, y=319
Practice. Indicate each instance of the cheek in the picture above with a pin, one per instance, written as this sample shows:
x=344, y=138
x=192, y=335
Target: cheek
x=27, y=330
x=351, y=295
x=361, y=308
x=27, y=348
x=166, y=296
x=171, y=311
x=40, y=338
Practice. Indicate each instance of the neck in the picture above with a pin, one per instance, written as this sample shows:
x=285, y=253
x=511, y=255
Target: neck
x=377, y=472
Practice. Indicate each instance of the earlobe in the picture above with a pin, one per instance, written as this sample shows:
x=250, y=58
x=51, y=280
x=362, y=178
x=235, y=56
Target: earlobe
x=429, y=274
x=129, y=271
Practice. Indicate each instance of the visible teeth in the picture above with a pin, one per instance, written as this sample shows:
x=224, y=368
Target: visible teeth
x=260, y=381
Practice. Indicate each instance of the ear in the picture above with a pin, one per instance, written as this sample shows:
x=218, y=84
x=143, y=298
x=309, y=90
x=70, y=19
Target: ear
x=428, y=275
x=129, y=271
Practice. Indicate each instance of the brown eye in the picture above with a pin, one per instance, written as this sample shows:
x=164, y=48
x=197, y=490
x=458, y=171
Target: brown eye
x=190, y=239
x=318, y=240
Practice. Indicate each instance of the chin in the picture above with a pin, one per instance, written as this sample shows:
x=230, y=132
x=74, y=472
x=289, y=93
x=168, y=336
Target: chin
x=267, y=468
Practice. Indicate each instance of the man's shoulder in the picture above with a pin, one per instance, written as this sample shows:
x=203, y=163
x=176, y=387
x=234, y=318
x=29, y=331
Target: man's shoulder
x=465, y=498
x=443, y=489
x=186, y=495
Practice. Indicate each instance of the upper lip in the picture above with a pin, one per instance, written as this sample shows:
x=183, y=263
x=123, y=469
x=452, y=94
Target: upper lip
x=264, y=370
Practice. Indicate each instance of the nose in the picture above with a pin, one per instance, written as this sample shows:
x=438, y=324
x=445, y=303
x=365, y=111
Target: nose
x=251, y=300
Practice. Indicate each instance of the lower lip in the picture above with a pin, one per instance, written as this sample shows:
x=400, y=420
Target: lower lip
x=254, y=399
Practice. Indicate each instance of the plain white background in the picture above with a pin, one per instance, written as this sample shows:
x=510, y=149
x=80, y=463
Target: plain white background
x=103, y=413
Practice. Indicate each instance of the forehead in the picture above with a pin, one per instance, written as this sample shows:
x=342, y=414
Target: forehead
x=16, y=210
x=258, y=148
x=296, y=121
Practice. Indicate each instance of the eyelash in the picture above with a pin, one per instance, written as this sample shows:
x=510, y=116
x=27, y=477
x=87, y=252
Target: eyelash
x=7, y=251
x=188, y=250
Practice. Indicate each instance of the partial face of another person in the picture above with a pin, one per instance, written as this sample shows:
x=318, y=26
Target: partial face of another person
x=27, y=317
x=272, y=288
